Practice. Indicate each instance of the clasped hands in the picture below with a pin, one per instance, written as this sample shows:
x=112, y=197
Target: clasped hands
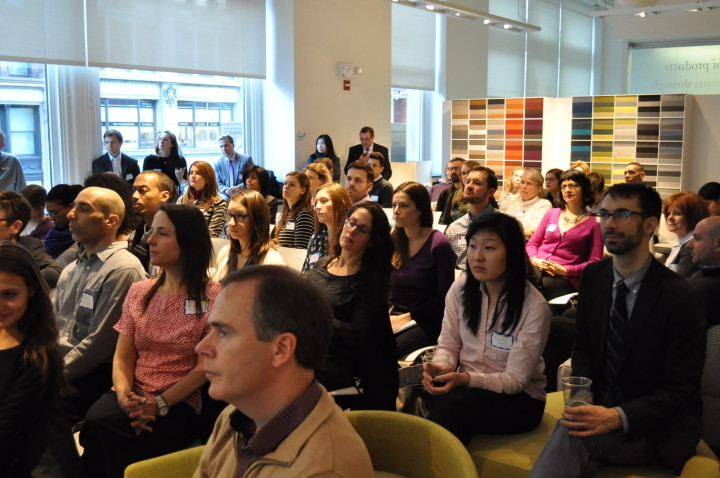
x=590, y=420
x=140, y=410
x=549, y=266
x=433, y=376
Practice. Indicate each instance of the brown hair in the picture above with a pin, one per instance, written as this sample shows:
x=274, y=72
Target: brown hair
x=321, y=170
x=419, y=195
x=693, y=207
x=341, y=203
x=259, y=216
x=211, y=187
x=303, y=202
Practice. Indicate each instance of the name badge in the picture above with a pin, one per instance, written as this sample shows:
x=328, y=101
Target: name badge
x=290, y=225
x=519, y=213
x=501, y=341
x=551, y=227
x=128, y=176
x=190, y=308
x=461, y=240
x=157, y=169
x=314, y=257
x=374, y=197
x=86, y=301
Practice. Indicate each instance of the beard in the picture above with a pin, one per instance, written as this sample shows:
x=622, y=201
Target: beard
x=474, y=199
x=455, y=177
x=627, y=242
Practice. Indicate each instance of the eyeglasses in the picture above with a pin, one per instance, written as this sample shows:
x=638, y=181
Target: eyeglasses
x=453, y=168
x=618, y=215
x=353, y=224
x=551, y=179
x=239, y=218
x=570, y=186
x=4, y=220
x=53, y=214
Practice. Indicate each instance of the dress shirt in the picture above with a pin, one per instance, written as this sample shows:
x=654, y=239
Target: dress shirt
x=456, y=233
x=679, y=242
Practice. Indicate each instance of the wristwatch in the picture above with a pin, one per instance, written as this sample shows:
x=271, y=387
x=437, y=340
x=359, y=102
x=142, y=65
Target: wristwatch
x=163, y=408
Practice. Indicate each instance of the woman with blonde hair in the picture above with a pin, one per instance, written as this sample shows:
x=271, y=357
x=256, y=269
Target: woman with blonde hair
x=202, y=192
x=530, y=207
x=331, y=207
x=248, y=219
x=318, y=175
x=511, y=188
x=297, y=222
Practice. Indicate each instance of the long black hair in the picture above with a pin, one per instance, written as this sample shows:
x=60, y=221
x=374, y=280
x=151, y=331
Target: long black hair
x=517, y=270
x=193, y=237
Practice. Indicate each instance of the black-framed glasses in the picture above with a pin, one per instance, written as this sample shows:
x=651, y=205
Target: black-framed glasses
x=353, y=224
x=239, y=218
x=4, y=220
x=618, y=215
x=53, y=214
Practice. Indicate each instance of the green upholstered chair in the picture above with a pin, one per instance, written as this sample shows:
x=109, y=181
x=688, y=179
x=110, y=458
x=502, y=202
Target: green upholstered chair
x=402, y=445
x=512, y=456
x=181, y=464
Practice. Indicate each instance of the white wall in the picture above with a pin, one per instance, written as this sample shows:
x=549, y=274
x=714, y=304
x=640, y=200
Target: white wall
x=703, y=163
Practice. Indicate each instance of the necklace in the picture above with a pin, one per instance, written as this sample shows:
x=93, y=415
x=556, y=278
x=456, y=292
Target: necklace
x=574, y=221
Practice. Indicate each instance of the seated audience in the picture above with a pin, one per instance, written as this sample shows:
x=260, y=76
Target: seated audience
x=456, y=207
x=581, y=166
x=297, y=222
x=327, y=162
x=530, y=207
x=705, y=251
x=155, y=402
x=59, y=242
x=258, y=180
x=552, y=186
x=634, y=173
x=448, y=188
x=381, y=191
x=487, y=372
x=35, y=434
x=90, y=295
x=318, y=175
x=124, y=190
x=14, y=215
x=114, y=161
x=202, y=192
x=710, y=192
x=511, y=189
x=567, y=239
x=359, y=182
x=152, y=189
x=260, y=356
x=640, y=337
x=167, y=159
x=231, y=168
x=423, y=269
x=355, y=280
x=331, y=208
x=481, y=184
x=39, y=224
x=248, y=222
x=597, y=183
x=683, y=210
x=324, y=149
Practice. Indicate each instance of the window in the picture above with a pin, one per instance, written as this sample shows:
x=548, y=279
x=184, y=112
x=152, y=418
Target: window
x=200, y=123
x=406, y=124
x=135, y=119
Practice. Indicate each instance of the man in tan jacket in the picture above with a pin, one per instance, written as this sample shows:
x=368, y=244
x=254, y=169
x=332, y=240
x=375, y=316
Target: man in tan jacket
x=260, y=356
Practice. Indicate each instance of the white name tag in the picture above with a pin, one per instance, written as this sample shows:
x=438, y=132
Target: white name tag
x=190, y=308
x=290, y=225
x=501, y=341
x=461, y=240
x=374, y=198
x=551, y=227
x=519, y=213
x=86, y=300
x=314, y=257
x=128, y=176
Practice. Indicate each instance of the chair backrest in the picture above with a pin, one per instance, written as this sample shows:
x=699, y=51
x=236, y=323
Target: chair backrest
x=710, y=388
x=411, y=446
x=293, y=258
x=181, y=464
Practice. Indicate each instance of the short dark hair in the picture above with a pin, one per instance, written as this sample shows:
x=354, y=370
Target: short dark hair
x=113, y=132
x=115, y=183
x=164, y=183
x=227, y=137
x=35, y=195
x=366, y=130
x=64, y=194
x=492, y=181
x=649, y=199
x=376, y=155
x=710, y=191
x=262, y=175
x=15, y=207
x=635, y=163
x=364, y=167
x=303, y=311
x=597, y=181
x=588, y=196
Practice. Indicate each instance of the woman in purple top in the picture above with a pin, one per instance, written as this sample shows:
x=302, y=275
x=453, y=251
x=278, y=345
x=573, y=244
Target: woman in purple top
x=567, y=239
x=423, y=269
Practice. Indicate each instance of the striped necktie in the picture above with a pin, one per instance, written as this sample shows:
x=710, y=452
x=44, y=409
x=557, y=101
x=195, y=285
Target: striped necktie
x=615, y=339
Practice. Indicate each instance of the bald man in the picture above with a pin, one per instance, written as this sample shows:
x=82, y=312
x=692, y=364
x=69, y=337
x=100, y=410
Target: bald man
x=705, y=250
x=90, y=295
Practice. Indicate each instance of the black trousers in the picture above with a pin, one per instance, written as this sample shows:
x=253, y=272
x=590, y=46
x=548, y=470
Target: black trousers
x=90, y=388
x=411, y=340
x=111, y=444
x=465, y=411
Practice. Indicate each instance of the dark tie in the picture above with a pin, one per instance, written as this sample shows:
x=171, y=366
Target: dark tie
x=615, y=338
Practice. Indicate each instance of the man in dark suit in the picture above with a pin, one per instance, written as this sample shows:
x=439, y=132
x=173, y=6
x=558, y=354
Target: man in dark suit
x=705, y=250
x=640, y=337
x=361, y=152
x=114, y=161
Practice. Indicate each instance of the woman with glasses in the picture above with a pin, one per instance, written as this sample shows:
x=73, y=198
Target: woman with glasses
x=567, y=239
x=297, y=222
x=682, y=211
x=202, y=192
x=530, y=207
x=331, y=208
x=248, y=220
x=423, y=269
x=552, y=187
x=356, y=280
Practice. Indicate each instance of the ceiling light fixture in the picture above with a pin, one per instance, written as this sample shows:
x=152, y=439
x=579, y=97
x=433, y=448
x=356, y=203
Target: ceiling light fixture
x=644, y=12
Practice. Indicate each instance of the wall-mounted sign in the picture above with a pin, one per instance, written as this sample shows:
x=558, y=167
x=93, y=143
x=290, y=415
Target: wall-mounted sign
x=677, y=69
